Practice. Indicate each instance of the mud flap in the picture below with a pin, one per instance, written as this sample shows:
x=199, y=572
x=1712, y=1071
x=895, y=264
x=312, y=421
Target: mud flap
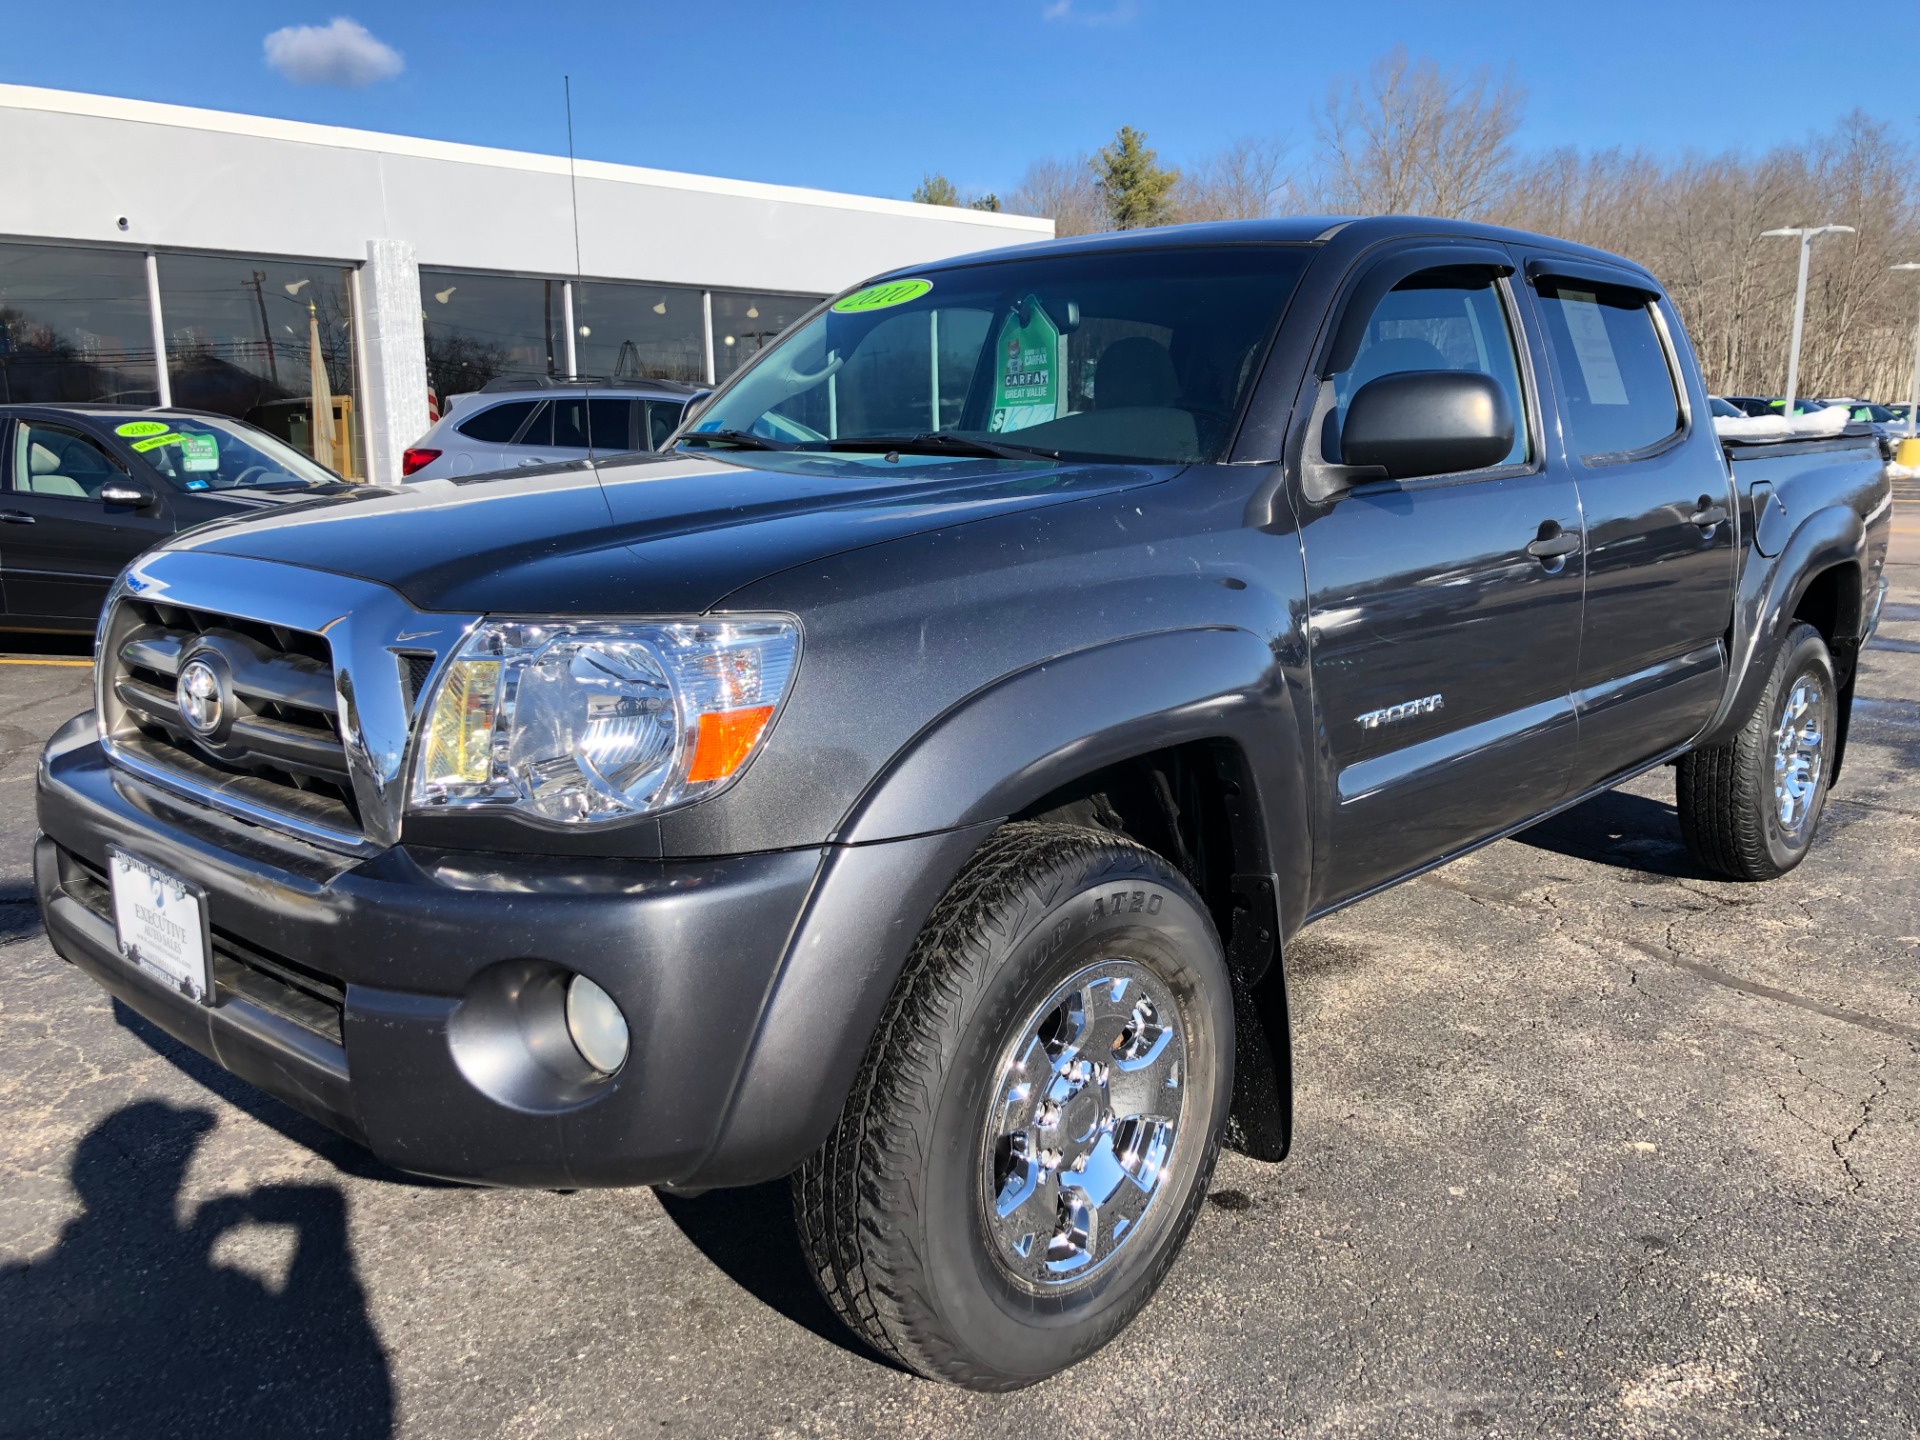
x=1261, y=1125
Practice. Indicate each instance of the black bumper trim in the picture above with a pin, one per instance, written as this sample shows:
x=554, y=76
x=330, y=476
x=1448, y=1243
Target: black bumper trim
x=266, y=1050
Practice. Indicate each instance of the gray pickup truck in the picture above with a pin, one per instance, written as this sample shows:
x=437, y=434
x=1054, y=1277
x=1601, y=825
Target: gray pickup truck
x=911, y=779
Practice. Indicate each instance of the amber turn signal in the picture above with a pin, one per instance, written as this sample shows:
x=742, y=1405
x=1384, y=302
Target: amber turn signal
x=726, y=738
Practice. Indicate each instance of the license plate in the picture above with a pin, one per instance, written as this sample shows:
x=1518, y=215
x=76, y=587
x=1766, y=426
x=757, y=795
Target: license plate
x=161, y=923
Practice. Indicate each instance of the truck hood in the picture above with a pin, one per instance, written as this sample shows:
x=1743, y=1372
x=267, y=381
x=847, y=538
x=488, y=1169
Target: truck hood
x=659, y=534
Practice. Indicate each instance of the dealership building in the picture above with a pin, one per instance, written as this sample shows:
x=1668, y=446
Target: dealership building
x=156, y=254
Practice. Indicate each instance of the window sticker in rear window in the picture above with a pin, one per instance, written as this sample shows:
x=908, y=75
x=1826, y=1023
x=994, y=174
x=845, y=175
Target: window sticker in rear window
x=1592, y=347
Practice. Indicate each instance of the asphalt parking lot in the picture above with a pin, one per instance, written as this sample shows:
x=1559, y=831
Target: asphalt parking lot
x=1588, y=1145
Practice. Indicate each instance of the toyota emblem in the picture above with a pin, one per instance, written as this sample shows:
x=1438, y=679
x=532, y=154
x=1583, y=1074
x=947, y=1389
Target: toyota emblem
x=198, y=693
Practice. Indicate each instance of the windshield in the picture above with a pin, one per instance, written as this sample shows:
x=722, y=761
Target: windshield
x=206, y=453
x=1725, y=408
x=1142, y=355
x=1879, y=414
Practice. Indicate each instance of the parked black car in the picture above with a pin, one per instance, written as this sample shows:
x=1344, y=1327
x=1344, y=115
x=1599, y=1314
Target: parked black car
x=88, y=487
x=912, y=782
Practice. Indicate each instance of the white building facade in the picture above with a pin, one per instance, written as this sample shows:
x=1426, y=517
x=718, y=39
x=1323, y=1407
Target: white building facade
x=156, y=254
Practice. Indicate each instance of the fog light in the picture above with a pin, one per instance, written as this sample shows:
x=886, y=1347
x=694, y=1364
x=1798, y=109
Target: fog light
x=598, y=1028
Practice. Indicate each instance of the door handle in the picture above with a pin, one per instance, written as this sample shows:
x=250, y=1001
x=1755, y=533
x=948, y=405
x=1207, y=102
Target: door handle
x=1708, y=515
x=15, y=517
x=1554, y=543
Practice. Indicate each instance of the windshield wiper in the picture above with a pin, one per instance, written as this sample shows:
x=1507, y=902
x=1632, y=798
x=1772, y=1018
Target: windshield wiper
x=745, y=439
x=939, y=442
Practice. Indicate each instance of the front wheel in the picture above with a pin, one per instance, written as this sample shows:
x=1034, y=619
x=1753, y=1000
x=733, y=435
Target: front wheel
x=1036, y=1120
x=1749, y=808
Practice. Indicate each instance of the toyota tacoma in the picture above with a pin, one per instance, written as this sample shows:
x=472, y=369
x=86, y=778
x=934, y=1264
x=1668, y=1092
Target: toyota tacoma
x=911, y=779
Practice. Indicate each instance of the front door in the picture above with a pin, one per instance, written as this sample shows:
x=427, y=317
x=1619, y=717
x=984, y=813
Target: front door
x=61, y=545
x=1658, y=499
x=1444, y=611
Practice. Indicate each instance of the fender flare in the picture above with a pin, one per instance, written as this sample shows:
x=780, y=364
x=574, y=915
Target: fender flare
x=918, y=824
x=1012, y=742
x=1831, y=536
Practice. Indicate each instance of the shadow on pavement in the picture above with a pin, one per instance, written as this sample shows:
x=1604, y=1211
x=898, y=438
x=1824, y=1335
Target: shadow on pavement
x=750, y=1234
x=132, y=1327
x=1629, y=832
x=343, y=1154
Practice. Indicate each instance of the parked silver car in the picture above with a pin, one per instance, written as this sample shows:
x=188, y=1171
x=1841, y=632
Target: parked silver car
x=521, y=421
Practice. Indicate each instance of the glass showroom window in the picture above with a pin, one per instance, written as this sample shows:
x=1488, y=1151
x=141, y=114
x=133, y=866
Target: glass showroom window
x=480, y=327
x=744, y=324
x=74, y=325
x=241, y=339
x=637, y=332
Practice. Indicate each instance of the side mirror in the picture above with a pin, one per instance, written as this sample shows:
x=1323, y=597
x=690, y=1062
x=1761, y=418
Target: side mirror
x=1428, y=422
x=127, y=492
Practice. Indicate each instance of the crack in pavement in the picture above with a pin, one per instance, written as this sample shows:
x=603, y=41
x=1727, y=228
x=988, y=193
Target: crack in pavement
x=1716, y=976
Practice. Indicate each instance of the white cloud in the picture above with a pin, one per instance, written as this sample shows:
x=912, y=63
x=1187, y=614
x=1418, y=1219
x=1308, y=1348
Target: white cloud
x=341, y=53
x=1120, y=12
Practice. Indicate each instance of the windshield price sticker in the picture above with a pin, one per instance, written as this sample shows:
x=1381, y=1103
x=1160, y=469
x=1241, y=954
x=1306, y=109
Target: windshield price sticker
x=1026, y=385
x=156, y=441
x=199, y=452
x=881, y=297
x=134, y=429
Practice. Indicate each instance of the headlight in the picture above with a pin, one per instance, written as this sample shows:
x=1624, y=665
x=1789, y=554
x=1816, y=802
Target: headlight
x=590, y=720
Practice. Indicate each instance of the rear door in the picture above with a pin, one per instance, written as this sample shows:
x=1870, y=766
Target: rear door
x=1658, y=499
x=61, y=545
x=1443, y=648
x=600, y=423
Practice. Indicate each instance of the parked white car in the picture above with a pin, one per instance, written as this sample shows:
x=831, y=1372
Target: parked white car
x=521, y=421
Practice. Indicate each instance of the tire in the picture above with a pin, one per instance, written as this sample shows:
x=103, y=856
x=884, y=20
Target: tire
x=1745, y=814
x=894, y=1210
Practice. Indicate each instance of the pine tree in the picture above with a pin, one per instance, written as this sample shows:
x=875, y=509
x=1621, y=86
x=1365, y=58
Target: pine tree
x=1137, y=191
x=936, y=189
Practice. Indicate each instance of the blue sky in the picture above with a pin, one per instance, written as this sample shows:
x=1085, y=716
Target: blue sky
x=865, y=96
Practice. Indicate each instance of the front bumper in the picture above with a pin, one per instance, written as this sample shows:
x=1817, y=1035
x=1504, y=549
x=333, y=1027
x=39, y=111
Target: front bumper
x=395, y=998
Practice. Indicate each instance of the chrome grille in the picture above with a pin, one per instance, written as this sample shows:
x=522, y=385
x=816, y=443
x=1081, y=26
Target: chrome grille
x=280, y=748
x=320, y=676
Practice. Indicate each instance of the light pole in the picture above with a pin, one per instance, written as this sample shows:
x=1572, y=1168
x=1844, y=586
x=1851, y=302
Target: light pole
x=1805, y=234
x=1913, y=394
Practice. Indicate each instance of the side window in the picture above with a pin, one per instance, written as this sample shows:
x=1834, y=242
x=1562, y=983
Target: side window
x=1612, y=367
x=610, y=424
x=662, y=416
x=49, y=460
x=1451, y=319
x=497, y=424
x=570, y=421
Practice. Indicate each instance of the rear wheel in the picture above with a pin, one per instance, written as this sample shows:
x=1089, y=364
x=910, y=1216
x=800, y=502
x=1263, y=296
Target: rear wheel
x=1034, y=1125
x=1749, y=808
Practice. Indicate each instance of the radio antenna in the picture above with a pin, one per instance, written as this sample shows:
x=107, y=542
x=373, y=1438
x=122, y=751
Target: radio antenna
x=573, y=180
x=573, y=340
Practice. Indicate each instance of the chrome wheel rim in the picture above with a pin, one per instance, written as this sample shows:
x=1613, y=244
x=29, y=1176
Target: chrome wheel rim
x=1081, y=1127
x=1799, y=753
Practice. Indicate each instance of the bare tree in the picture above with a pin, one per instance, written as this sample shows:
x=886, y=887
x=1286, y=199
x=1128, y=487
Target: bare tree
x=1246, y=181
x=1062, y=191
x=1413, y=139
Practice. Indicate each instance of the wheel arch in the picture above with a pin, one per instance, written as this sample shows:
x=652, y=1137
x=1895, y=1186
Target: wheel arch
x=1822, y=565
x=1006, y=751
